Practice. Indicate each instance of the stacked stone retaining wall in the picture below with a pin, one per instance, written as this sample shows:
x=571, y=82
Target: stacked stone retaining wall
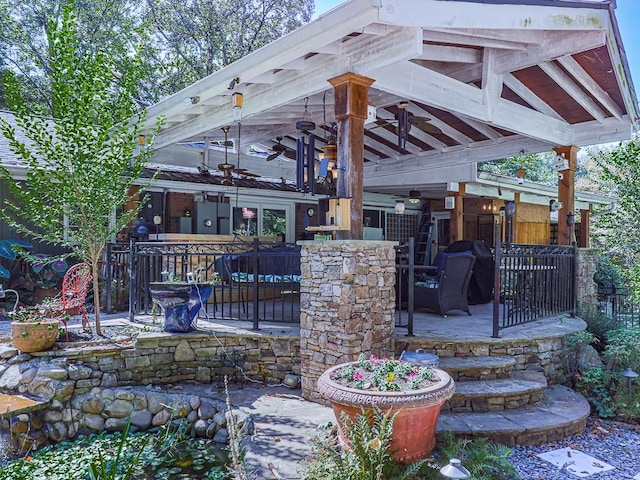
x=92, y=388
x=545, y=355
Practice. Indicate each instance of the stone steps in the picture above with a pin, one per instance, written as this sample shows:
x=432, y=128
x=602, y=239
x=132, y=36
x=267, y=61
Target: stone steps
x=494, y=395
x=464, y=369
x=561, y=413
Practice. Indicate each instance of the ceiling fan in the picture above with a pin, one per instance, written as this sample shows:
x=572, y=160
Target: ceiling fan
x=403, y=120
x=279, y=149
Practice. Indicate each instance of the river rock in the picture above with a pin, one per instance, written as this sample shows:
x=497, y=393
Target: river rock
x=119, y=409
x=141, y=419
x=94, y=422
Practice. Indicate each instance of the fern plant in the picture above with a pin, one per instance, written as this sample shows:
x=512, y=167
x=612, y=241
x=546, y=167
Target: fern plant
x=368, y=456
x=484, y=459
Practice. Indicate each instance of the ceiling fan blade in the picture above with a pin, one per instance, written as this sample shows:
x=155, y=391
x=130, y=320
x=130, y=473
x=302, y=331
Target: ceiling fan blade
x=423, y=124
x=273, y=156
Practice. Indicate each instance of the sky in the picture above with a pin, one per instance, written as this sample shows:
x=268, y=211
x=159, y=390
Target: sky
x=627, y=13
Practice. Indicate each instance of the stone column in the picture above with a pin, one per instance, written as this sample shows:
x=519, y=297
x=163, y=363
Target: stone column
x=347, y=305
x=586, y=288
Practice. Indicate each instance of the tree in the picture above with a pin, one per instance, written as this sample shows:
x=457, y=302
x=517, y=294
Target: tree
x=538, y=166
x=81, y=164
x=198, y=37
x=619, y=230
x=111, y=25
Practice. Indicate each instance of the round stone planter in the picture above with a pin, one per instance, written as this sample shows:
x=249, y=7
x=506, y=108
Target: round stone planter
x=417, y=411
x=34, y=337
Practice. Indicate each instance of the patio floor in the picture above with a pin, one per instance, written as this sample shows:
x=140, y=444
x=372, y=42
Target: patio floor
x=455, y=327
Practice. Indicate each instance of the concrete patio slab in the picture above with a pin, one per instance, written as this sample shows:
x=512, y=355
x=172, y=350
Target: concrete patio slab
x=575, y=462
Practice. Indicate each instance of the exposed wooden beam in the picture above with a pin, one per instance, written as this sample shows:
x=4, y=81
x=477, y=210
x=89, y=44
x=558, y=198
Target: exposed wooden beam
x=364, y=53
x=445, y=128
x=447, y=53
x=553, y=45
x=435, y=89
x=568, y=85
x=491, y=81
x=467, y=40
x=576, y=71
x=528, y=96
x=273, y=56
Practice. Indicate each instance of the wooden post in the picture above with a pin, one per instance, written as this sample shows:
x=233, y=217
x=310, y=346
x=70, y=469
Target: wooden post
x=566, y=192
x=585, y=227
x=514, y=222
x=457, y=215
x=351, y=101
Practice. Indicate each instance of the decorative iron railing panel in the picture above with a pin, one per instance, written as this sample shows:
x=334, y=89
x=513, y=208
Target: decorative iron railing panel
x=620, y=306
x=532, y=282
x=250, y=280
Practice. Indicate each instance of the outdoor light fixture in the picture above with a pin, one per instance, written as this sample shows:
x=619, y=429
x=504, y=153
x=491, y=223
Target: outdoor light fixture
x=233, y=83
x=455, y=470
x=510, y=209
x=399, y=209
x=629, y=375
x=509, y=212
x=142, y=140
x=414, y=196
x=571, y=219
x=236, y=99
x=521, y=172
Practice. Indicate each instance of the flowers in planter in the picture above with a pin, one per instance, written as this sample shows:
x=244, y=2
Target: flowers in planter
x=384, y=375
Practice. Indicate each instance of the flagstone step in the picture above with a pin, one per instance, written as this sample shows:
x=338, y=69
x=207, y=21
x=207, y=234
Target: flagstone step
x=561, y=413
x=464, y=369
x=494, y=395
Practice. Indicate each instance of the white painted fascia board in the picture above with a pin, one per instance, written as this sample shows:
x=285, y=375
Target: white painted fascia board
x=621, y=70
x=457, y=14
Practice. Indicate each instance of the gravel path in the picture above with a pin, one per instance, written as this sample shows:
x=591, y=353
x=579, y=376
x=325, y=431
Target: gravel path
x=615, y=443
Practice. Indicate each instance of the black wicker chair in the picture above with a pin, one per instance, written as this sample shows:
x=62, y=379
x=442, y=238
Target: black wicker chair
x=447, y=291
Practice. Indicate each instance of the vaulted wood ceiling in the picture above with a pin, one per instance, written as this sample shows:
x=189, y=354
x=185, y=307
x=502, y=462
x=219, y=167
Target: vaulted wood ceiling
x=484, y=80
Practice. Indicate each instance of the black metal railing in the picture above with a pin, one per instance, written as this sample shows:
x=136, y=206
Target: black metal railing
x=532, y=282
x=620, y=305
x=407, y=273
x=250, y=280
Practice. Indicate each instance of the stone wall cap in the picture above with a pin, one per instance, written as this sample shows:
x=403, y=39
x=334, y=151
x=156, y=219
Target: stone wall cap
x=369, y=243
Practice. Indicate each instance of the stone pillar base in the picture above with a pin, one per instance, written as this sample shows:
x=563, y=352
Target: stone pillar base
x=347, y=305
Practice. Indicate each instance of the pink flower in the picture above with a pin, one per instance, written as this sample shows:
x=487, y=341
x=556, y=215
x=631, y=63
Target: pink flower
x=358, y=376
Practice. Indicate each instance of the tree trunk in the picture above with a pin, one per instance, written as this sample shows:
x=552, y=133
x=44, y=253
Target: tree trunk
x=96, y=294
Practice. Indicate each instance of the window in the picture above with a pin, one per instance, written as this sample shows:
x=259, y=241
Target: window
x=245, y=221
x=274, y=223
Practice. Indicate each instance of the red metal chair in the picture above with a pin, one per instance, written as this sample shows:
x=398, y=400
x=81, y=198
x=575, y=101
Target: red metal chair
x=75, y=285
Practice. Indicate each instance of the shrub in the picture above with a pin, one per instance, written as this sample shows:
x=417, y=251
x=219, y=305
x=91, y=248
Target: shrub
x=599, y=324
x=606, y=390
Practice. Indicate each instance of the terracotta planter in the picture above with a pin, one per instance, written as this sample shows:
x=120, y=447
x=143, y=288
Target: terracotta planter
x=414, y=427
x=34, y=337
